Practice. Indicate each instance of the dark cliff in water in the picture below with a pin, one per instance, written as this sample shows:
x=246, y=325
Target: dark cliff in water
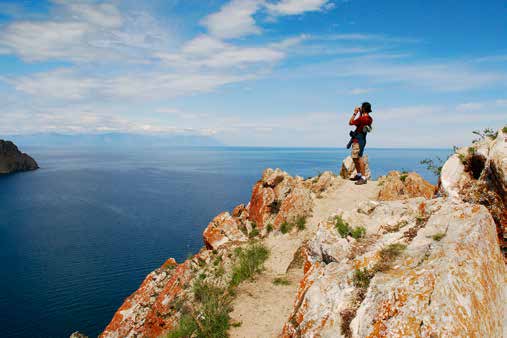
x=12, y=160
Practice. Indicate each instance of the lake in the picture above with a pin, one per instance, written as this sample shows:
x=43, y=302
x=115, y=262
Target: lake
x=80, y=234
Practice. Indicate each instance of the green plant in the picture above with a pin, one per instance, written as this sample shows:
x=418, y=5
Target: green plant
x=269, y=228
x=301, y=223
x=186, y=327
x=487, y=132
x=504, y=129
x=433, y=165
x=438, y=236
x=249, y=262
x=471, y=150
x=253, y=233
x=462, y=158
x=281, y=281
x=358, y=232
x=361, y=278
x=286, y=227
x=342, y=227
x=345, y=230
x=403, y=177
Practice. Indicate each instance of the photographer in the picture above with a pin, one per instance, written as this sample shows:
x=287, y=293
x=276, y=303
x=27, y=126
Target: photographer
x=358, y=139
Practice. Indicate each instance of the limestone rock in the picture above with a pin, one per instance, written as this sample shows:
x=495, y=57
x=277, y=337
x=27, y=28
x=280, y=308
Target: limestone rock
x=278, y=198
x=323, y=182
x=222, y=229
x=348, y=169
x=396, y=186
x=78, y=334
x=12, y=160
x=448, y=287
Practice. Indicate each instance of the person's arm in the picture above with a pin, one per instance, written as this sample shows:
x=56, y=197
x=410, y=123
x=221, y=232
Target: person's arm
x=352, y=120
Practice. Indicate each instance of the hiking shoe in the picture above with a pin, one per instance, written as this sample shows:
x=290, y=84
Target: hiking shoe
x=355, y=178
x=361, y=181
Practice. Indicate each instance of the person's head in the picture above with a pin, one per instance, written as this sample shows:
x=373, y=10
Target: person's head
x=366, y=107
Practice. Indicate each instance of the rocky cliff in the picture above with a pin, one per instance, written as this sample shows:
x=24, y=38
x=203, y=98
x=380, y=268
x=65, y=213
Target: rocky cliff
x=12, y=160
x=322, y=257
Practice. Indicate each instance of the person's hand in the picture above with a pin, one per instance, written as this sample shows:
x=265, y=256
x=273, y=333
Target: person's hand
x=357, y=110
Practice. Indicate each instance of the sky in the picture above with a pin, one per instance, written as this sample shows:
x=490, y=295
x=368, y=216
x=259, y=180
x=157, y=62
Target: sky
x=255, y=72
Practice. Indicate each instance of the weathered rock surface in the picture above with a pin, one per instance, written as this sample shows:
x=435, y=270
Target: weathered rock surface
x=397, y=186
x=279, y=198
x=12, y=160
x=448, y=287
x=477, y=174
x=222, y=229
x=348, y=169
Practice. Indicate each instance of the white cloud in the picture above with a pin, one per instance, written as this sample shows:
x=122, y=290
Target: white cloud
x=81, y=32
x=235, y=19
x=296, y=7
x=359, y=91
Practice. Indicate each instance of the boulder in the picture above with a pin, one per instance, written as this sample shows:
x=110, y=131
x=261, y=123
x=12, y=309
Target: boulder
x=396, y=186
x=222, y=229
x=278, y=198
x=323, y=182
x=12, y=160
x=348, y=169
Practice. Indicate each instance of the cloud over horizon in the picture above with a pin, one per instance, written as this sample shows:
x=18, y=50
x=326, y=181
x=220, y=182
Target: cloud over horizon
x=247, y=71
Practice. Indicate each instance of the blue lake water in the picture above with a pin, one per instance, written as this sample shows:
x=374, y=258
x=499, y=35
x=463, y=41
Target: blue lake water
x=80, y=234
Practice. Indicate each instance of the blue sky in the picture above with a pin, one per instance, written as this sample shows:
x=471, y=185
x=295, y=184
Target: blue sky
x=255, y=72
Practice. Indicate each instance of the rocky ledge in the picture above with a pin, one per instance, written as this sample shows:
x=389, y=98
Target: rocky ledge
x=322, y=257
x=12, y=160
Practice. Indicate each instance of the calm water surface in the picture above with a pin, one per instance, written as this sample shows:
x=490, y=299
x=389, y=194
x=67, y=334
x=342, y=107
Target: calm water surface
x=80, y=234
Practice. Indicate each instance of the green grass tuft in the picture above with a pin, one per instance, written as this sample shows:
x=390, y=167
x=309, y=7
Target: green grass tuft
x=250, y=261
x=504, y=129
x=342, y=226
x=269, y=228
x=286, y=227
x=438, y=236
x=281, y=281
x=186, y=327
x=253, y=233
x=301, y=223
x=358, y=232
x=361, y=278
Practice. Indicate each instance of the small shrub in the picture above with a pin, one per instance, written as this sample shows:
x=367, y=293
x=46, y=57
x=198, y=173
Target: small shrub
x=342, y=227
x=433, y=165
x=504, y=129
x=286, y=227
x=487, y=132
x=471, y=150
x=301, y=223
x=358, y=232
x=215, y=252
x=250, y=261
x=253, y=233
x=361, y=278
x=392, y=251
x=438, y=236
x=462, y=158
x=254, y=225
x=281, y=281
x=403, y=177
x=269, y=228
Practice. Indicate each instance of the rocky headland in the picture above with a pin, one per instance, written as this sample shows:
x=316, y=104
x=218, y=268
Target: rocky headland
x=12, y=160
x=322, y=257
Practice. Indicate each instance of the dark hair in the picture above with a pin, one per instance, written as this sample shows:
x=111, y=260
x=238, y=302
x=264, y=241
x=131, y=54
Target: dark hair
x=366, y=107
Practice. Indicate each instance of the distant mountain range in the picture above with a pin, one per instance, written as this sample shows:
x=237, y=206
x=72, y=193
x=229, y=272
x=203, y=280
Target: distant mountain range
x=112, y=140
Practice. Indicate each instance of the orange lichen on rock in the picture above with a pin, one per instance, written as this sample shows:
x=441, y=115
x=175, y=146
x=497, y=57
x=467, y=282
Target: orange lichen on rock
x=396, y=186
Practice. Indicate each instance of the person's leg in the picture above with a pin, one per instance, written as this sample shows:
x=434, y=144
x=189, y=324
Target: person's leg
x=355, y=158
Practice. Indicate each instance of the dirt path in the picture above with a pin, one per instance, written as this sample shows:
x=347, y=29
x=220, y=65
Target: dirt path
x=262, y=307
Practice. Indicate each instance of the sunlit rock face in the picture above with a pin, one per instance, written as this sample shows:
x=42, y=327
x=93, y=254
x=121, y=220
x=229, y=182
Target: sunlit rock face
x=12, y=160
x=279, y=198
x=397, y=186
x=477, y=174
x=447, y=281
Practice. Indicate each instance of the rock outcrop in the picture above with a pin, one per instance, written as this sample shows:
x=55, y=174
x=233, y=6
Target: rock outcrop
x=12, y=160
x=408, y=264
x=430, y=288
x=397, y=186
x=348, y=169
x=477, y=174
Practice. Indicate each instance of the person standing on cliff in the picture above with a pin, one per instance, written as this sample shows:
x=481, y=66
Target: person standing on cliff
x=358, y=139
